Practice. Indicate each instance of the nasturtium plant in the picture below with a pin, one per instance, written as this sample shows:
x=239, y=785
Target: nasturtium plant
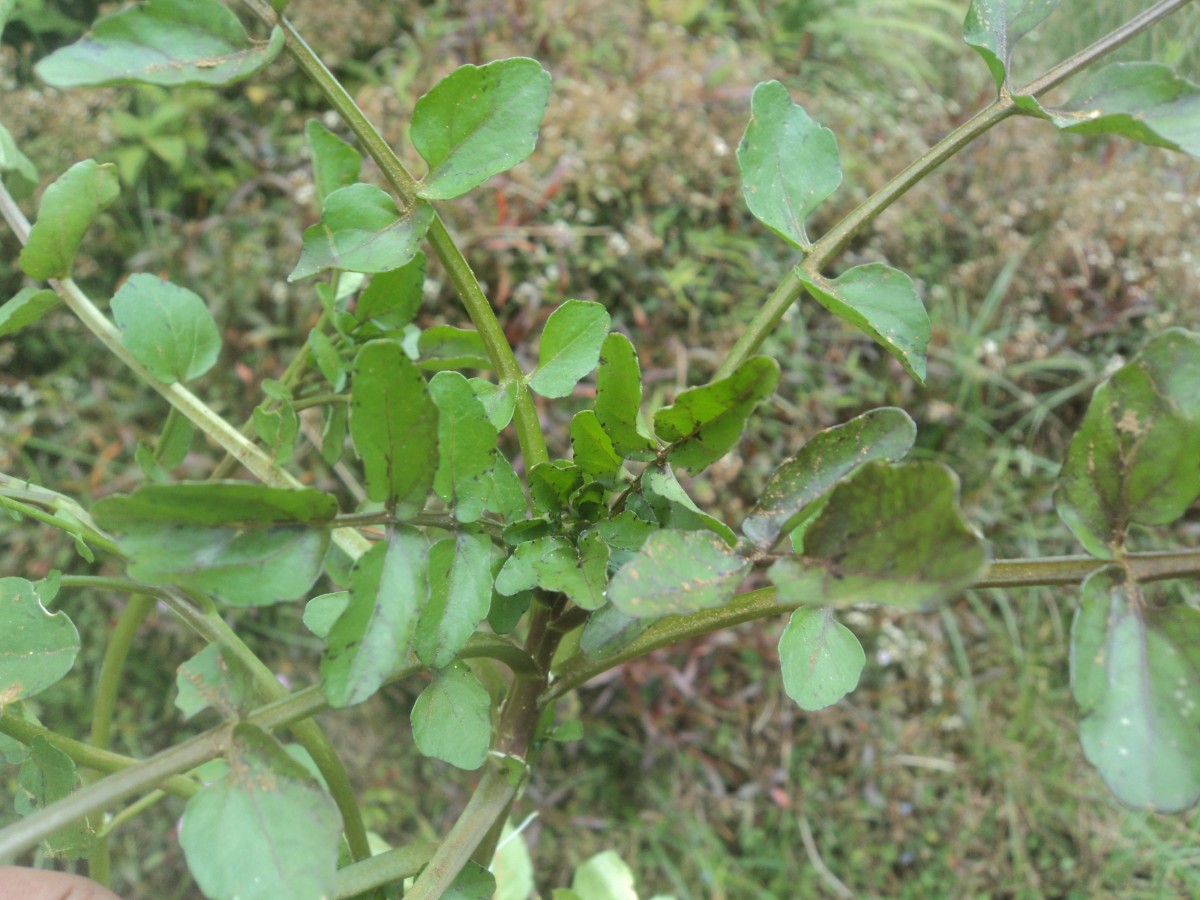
x=477, y=529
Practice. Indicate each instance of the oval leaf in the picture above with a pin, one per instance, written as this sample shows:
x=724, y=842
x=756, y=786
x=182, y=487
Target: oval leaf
x=789, y=163
x=65, y=211
x=394, y=426
x=821, y=658
x=451, y=720
x=267, y=830
x=373, y=637
x=570, y=347
x=591, y=448
x=362, y=231
x=37, y=648
x=677, y=572
x=993, y=27
x=26, y=308
x=460, y=594
x=619, y=399
x=11, y=157
x=478, y=121
x=1136, y=456
x=167, y=42
x=466, y=446
x=827, y=458
x=1135, y=673
x=891, y=534
x=166, y=327
x=336, y=164
x=704, y=423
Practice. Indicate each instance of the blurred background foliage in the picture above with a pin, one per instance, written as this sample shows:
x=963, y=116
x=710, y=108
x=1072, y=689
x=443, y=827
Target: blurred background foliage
x=954, y=770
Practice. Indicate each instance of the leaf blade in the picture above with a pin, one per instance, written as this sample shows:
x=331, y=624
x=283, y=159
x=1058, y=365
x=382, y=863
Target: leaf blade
x=65, y=211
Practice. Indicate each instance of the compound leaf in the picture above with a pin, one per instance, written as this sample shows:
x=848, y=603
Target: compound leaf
x=789, y=163
x=569, y=347
x=451, y=720
x=65, y=211
x=37, y=648
x=677, y=572
x=478, y=121
x=166, y=327
x=821, y=658
x=882, y=302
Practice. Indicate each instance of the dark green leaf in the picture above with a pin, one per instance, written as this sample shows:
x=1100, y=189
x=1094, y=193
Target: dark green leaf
x=619, y=399
x=478, y=121
x=460, y=594
x=608, y=631
x=322, y=611
x=1135, y=672
x=392, y=299
x=336, y=164
x=552, y=484
x=394, y=426
x=789, y=163
x=208, y=680
x=506, y=612
x=445, y=347
x=327, y=358
x=890, y=534
x=993, y=27
x=821, y=658
x=675, y=509
x=362, y=231
x=65, y=211
x=36, y=648
x=167, y=42
x=591, y=448
x=677, y=572
x=388, y=589
x=240, y=504
x=555, y=564
x=267, y=830
x=26, y=308
x=175, y=441
x=826, y=458
x=569, y=347
x=466, y=446
x=1144, y=101
x=11, y=157
x=166, y=327
x=333, y=438
x=624, y=531
x=1136, y=456
x=45, y=776
x=451, y=720
x=520, y=572
x=705, y=422
x=882, y=302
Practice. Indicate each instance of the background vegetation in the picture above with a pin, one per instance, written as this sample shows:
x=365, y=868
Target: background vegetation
x=954, y=770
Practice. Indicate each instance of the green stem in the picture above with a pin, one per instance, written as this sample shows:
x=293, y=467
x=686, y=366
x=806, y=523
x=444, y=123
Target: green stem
x=763, y=603
x=75, y=529
x=128, y=814
x=529, y=431
x=394, y=865
x=833, y=242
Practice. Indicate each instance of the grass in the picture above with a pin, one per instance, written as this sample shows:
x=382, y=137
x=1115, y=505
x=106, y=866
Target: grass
x=954, y=771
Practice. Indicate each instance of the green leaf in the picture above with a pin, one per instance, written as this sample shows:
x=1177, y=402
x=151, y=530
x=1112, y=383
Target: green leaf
x=167, y=42
x=512, y=866
x=473, y=882
x=26, y=308
x=394, y=426
x=250, y=545
x=609, y=630
x=48, y=775
x=882, y=302
x=604, y=877
x=1136, y=456
x=498, y=400
x=993, y=27
x=392, y=299
x=11, y=157
x=827, y=458
x=705, y=422
x=821, y=658
x=451, y=720
x=552, y=484
x=362, y=231
x=333, y=438
x=592, y=449
x=37, y=648
x=619, y=399
x=569, y=348
x=478, y=121
x=507, y=498
x=207, y=680
x=65, y=211
x=1144, y=101
x=321, y=612
x=789, y=163
x=675, y=509
x=677, y=572
x=278, y=429
x=890, y=534
x=1135, y=673
x=444, y=347
x=336, y=164
x=466, y=446
x=519, y=572
x=555, y=564
x=460, y=594
x=329, y=361
x=166, y=327
x=388, y=589
x=267, y=830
